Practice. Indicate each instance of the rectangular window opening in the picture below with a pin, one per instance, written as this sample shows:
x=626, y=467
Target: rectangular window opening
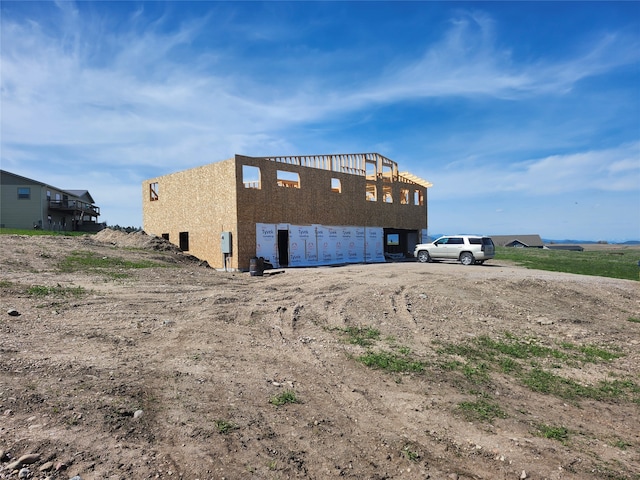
x=184, y=241
x=404, y=196
x=387, y=195
x=165, y=236
x=288, y=179
x=387, y=173
x=371, y=171
x=251, y=176
x=336, y=186
x=153, y=191
x=24, y=193
x=393, y=239
x=372, y=192
x=418, y=197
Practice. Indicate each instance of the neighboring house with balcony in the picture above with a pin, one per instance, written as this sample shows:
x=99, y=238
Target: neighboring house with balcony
x=27, y=204
x=291, y=210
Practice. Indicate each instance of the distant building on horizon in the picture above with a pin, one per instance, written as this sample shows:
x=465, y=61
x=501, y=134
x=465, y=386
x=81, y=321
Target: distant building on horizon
x=518, y=241
x=27, y=204
x=290, y=210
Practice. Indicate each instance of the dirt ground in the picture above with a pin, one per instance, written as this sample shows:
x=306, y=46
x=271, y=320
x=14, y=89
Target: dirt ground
x=172, y=371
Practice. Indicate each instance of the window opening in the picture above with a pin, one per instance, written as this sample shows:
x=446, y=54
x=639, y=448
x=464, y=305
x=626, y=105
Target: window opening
x=404, y=196
x=251, y=176
x=387, y=173
x=418, y=197
x=288, y=179
x=153, y=191
x=372, y=192
x=48, y=195
x=336, y=186
x=371, y=171
x=184, y=241
x=387, y=196
x=24, y=193
x=165, y=236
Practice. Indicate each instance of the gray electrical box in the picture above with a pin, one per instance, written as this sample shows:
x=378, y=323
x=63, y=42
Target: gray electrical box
x=225, y=242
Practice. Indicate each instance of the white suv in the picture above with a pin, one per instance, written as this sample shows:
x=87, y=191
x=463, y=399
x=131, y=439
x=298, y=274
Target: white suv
x=468, y=249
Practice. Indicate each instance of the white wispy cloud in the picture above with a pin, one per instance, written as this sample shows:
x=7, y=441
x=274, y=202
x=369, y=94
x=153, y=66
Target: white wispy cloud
x=143, y=92
x=607, y=170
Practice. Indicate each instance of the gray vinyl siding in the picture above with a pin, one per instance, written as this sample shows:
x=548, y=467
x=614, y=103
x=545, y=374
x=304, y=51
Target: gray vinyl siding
x=21, y=212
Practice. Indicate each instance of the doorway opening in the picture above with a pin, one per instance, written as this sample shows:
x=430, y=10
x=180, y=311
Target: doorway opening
x=283, y=247
x=399, y=243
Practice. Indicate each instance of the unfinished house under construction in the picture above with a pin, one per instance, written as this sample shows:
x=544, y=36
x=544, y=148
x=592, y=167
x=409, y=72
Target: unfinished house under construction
x=291, y=211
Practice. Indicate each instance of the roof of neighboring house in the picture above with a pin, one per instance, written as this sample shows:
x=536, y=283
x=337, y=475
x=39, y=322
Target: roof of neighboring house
x=81, y=194
x=84, y=194
x=529, y=240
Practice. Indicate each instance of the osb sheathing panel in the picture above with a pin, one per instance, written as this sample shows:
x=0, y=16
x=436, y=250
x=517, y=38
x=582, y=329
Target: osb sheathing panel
x=200, y=201
x=315, y=203
x=208, y=200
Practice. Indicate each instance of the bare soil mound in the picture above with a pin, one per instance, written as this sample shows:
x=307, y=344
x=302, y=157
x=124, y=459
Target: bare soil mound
x=138, y=239
x=122, y=358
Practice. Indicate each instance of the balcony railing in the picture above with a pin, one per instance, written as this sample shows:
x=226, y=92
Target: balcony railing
x=75, y=206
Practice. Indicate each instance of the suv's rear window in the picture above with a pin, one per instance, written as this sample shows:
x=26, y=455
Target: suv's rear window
x=475, y=241
x=487, y=241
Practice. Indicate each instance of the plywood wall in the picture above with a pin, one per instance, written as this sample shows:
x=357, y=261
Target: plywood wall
x=200, y=201
x=208, y=200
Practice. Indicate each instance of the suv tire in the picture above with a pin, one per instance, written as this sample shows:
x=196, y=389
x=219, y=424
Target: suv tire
x=423, y=256
x=466, y=258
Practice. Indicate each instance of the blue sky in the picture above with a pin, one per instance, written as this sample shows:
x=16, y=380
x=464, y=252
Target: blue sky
x=524, y=116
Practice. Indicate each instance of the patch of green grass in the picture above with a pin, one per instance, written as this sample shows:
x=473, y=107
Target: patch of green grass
x=634, y=319
x=476, y=374
x=617, y=389
x=225, y=427
x=391, y=362
x=560, y=434
x=542, y=381
x=451, y=365
x=614, y=263
x=42, y=290
x=482, y=410
x=404, y=350
x=363, y=336
x=33, y=232
x=484, y=348
x=529, y=362
x=288, y=396
x=410, y=453
x=593, y=353
x=546, y=382
x=6, y=284
x=622, y=444
x=111, y=266
x=509, y=365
